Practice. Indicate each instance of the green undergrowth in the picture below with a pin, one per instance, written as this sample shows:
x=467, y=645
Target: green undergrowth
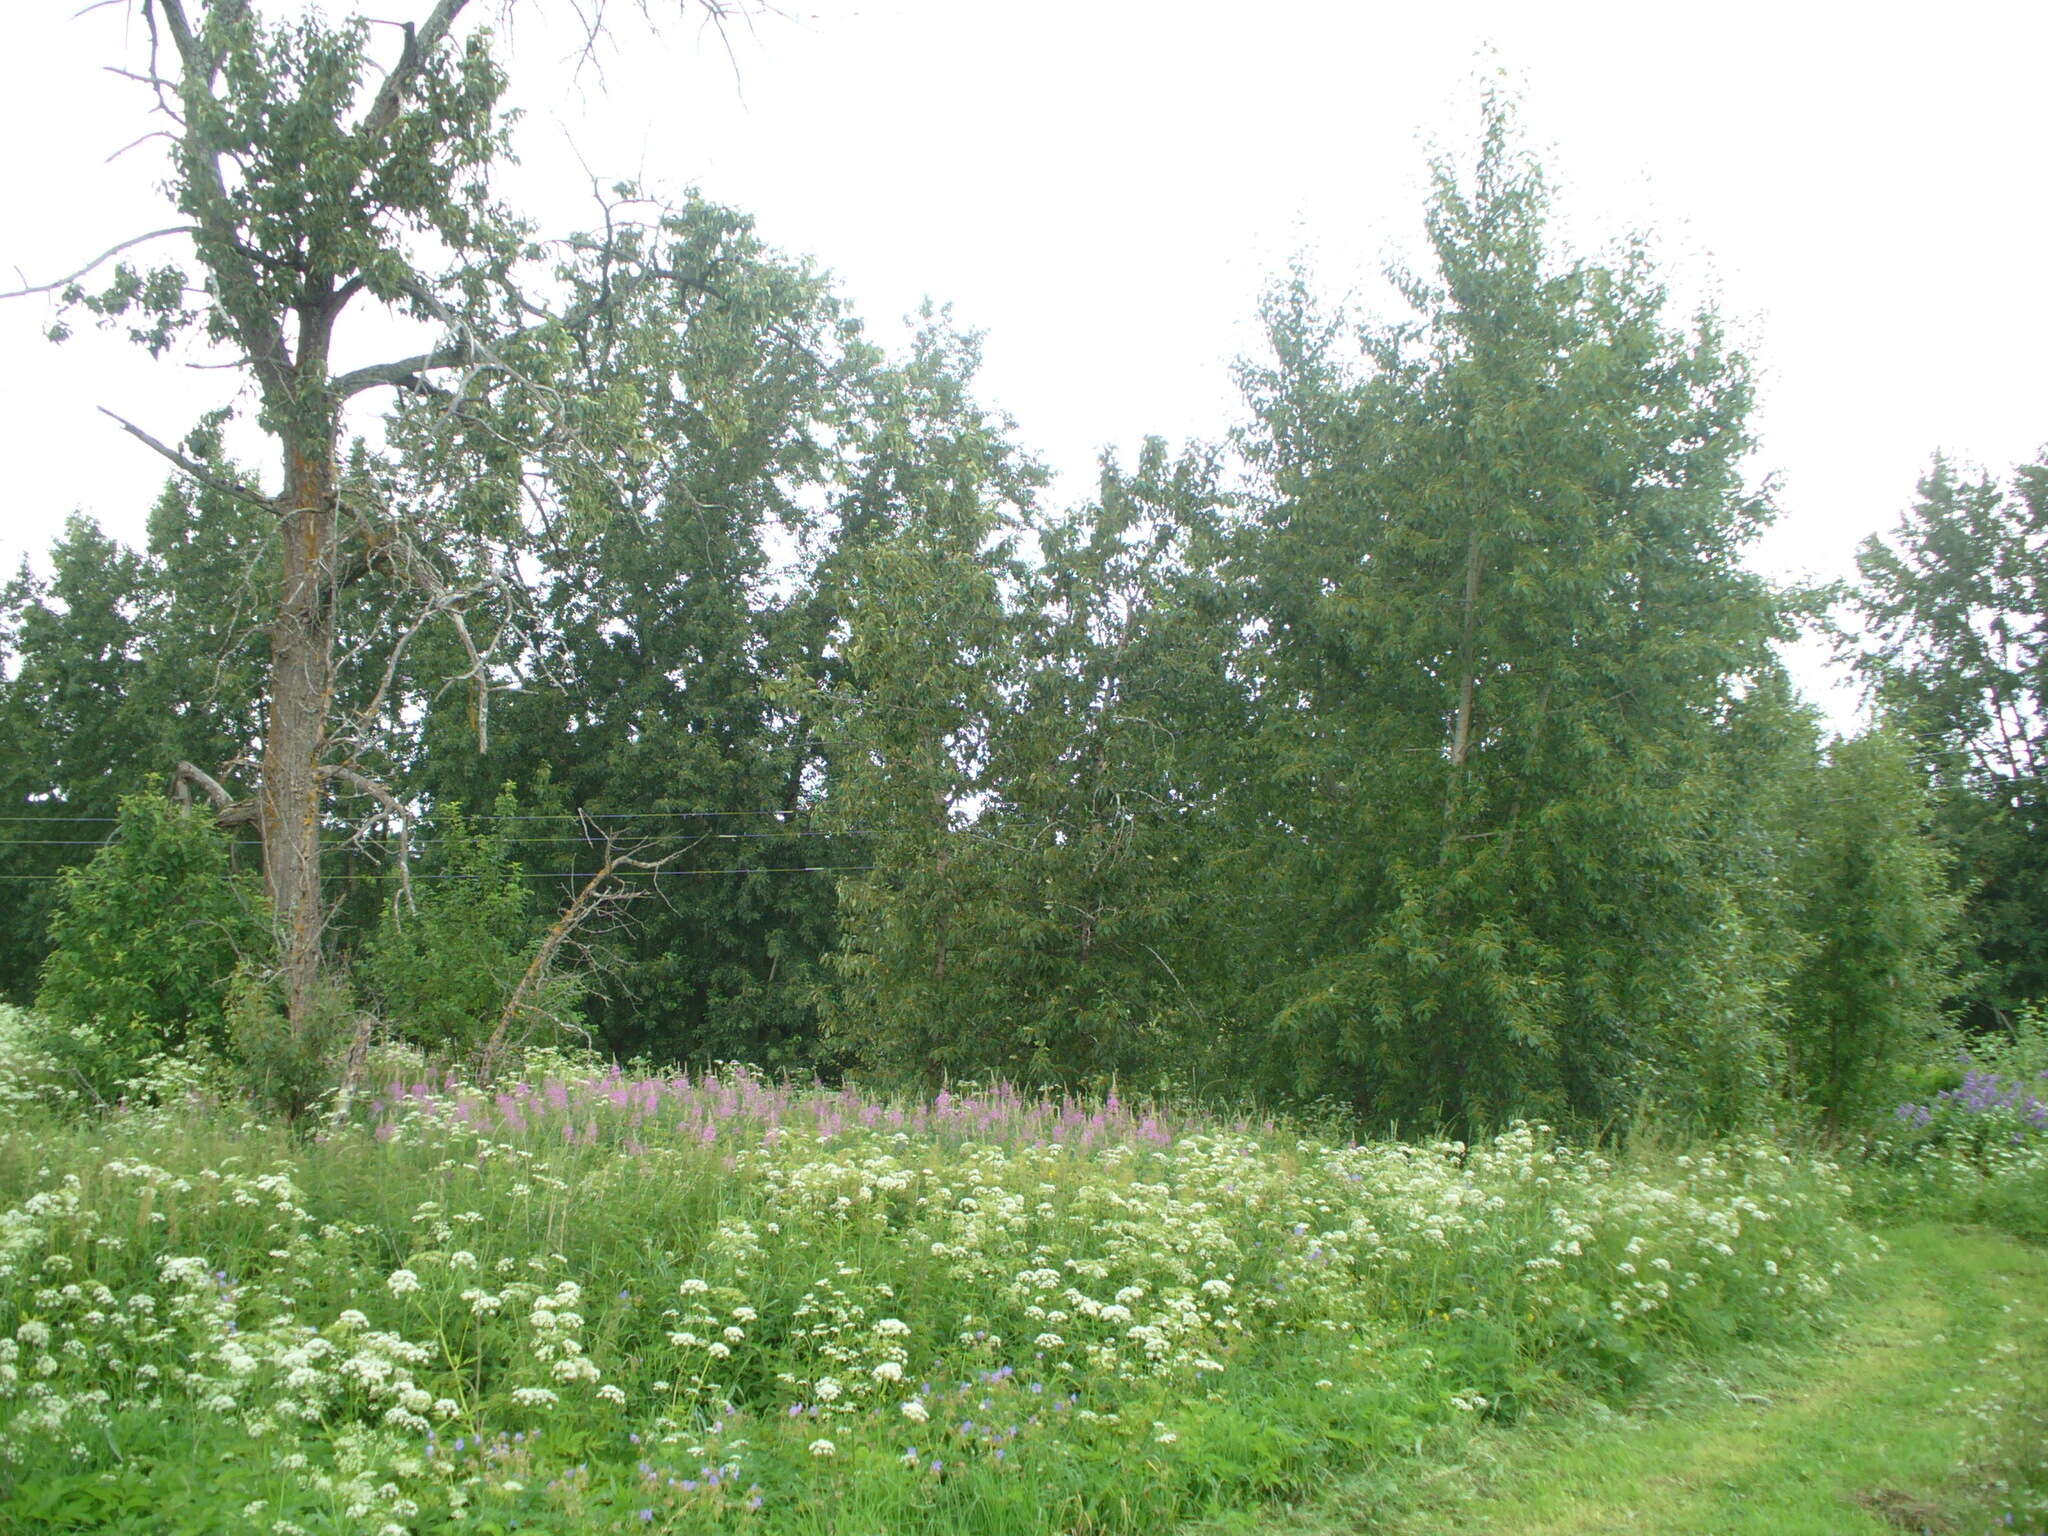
x=2003, y=1185
x=719, y=1304
x=1927, y=1413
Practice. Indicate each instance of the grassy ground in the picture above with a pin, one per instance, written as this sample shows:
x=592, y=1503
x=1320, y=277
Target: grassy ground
x=724, y=1305
x=1928, y=1413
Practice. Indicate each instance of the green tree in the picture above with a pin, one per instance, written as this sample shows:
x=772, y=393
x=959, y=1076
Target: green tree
x=311, y=175
x=1076, y=753
x=1497, y=619
x=1106, y=786
x=145, y=940
x=921, y=641
x=1730, y=1065
x=659, y=623
x=1955, y=605
x=1875, y=902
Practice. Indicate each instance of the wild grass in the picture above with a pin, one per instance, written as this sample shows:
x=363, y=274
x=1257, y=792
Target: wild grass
x=1923, y=1414
x=700, y=1304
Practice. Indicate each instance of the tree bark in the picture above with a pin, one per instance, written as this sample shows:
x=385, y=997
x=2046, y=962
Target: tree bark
x=295, y=731
x=1461, y=733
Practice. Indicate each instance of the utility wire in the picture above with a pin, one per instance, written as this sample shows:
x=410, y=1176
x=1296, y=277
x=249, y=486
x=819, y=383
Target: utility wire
x=435, y=842
x=586, y=874
x=561, y=816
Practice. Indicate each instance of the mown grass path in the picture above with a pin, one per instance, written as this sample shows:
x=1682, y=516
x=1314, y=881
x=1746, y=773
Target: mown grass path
x=1906, y=1421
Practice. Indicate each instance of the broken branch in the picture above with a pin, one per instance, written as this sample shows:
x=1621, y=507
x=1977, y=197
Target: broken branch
x=107, y=255
x=198, y=471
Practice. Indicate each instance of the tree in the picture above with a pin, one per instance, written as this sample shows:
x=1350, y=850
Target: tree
x=1874, y=900
x=1955, y=605
x=1730, y=1065
x=1497, y=615
x=145, y=940
x=921, y=639
x=658, y=628
x=312, y=176
x=1044, y=795
x=1110, y=768
x=118, y=664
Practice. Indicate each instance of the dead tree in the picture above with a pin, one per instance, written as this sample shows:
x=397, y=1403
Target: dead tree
x=596, y=905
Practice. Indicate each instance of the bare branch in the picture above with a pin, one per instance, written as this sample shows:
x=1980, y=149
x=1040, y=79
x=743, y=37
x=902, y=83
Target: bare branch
x=163, y=89
x=599, y=895
x=154, y=133
x=230, y=811
x=419, y=47
x=364, y=784
x=198, y=471
x=158, y=81
x=401, y=373
x=106, y=255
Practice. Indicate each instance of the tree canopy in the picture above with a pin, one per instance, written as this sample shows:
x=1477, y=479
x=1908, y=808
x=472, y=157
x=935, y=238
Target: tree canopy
x=1421, y=750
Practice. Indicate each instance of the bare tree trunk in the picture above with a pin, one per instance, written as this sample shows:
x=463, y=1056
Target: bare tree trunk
x=1461, y=730
x=295, y=730
x=1461, y=734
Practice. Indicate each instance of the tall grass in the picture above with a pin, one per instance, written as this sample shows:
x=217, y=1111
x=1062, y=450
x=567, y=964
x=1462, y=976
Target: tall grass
x=707, y=1303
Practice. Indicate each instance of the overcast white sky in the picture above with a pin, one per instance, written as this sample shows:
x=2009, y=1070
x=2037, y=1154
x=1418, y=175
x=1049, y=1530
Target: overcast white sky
x=1104, y=188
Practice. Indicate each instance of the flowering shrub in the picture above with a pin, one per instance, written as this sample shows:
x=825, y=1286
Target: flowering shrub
x=25, y=1067
x=714, y=1303
x=1976, y=1150
x=1986, y=1106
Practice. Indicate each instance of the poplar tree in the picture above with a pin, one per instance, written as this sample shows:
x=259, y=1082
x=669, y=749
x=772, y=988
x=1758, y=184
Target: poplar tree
x=317, y=169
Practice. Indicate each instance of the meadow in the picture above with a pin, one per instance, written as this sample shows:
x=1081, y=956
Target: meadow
x=678, y=1303
x=695, y=1303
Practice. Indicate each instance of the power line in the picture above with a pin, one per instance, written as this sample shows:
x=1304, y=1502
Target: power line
x=560, y=816
x=588, y=874
x=627, y=815
x=436, y=842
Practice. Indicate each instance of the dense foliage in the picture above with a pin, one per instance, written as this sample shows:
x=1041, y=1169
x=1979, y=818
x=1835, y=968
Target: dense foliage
x=710, y=1303
x=1421, y=752
x=1955, y=612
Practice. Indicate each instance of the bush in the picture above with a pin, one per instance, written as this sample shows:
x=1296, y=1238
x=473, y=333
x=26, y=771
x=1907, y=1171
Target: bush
x=145, y=940
x=289, y=1066
x=441, y=971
